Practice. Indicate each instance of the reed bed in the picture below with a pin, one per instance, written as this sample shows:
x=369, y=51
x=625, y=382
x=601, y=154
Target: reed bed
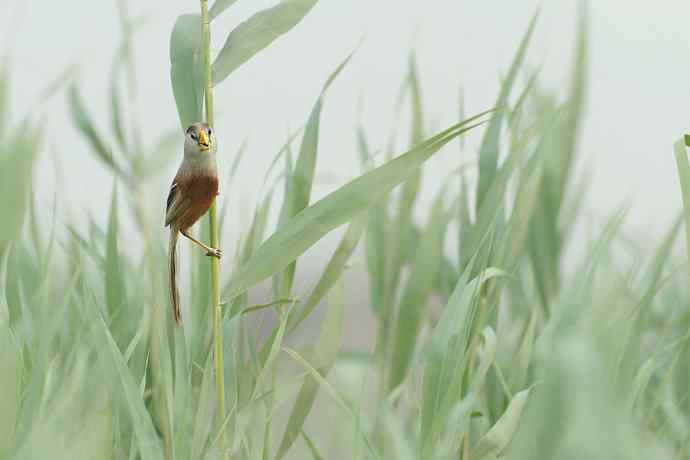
x=498, y=348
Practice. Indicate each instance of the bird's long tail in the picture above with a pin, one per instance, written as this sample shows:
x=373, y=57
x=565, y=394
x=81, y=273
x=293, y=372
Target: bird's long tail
x=174, y=293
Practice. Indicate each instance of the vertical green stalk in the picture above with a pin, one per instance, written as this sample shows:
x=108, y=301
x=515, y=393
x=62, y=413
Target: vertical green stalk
x=215, y=263
x=684, y=177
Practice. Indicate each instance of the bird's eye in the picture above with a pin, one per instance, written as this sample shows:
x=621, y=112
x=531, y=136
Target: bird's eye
x=209, y=131
x=194, y=136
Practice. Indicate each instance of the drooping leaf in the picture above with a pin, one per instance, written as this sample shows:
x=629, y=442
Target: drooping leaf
x=116, y=108
x=84, y=123
x=497, y=438
x=219, y=6
x=256, y=33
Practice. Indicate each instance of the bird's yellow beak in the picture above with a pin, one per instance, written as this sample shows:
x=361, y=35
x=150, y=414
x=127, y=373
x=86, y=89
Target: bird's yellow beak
x=203, y=140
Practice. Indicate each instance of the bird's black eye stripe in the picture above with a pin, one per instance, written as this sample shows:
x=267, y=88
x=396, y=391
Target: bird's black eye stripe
x=194, y=136
x=209, y=131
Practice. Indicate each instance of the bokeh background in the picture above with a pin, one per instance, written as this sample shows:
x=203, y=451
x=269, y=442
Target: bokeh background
x=511, y=324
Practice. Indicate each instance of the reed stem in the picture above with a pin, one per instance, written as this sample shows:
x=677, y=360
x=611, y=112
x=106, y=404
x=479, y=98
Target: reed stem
x=215, y=263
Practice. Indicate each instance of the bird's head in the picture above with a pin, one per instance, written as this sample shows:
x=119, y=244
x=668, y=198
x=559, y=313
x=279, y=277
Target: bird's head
x=199, y=139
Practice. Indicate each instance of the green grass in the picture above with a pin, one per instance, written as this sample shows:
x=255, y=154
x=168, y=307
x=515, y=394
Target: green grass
x=502, y=348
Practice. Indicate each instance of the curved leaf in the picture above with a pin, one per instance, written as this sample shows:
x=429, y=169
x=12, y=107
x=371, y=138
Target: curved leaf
x=219, y=6
x=186, y=67
x=498, y=437
x=306, y=228
x=256, y=33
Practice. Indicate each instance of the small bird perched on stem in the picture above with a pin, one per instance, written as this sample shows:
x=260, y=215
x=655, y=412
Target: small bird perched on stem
x=191, y=194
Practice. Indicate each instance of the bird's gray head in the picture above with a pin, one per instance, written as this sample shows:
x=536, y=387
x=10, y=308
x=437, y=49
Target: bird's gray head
x=199, y=139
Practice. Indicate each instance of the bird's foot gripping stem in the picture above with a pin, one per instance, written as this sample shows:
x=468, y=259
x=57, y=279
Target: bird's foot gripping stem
x=215, y=252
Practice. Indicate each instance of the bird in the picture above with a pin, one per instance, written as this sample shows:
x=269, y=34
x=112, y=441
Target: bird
x=192, y=192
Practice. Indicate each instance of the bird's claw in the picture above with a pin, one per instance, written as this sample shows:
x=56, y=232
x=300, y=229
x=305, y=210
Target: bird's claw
x=217, y=253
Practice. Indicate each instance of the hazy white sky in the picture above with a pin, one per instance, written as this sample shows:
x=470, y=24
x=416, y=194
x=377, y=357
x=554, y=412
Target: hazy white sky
x=637, y=106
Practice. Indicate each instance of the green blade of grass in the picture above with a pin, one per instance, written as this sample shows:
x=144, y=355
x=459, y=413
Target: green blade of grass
x=256, y=33
x=331, y=274
x=238, y=157
x=186, y=68
x=333, y=271
x=307, y=227
x=642, y=379
x=162, y=378
x=114, y=364
x=116, y=109
x=4, y=99
x=374, y=235
x=332, y=392
x=182, y=397
x=488, y=152
x=273, y=350
x=402, y=445
x=227, y=185
x=490, y=218
x=417, y=290
x=302, y=179
x=684, y=177
x=84, y=123
x=464, y=219
x=446, y=357
x=114, y=282
x=523, y=357
x=657, y=265
x=487, y=357
x=315, y=454
x=17, y=161
x=519, y=225
x=398, y=244
x=253, y=239
x=326, y=350
x=219, y=6
x=11, y=371
x=203, y=416
x=35, y=228
x=284, y=150
x=497, y=438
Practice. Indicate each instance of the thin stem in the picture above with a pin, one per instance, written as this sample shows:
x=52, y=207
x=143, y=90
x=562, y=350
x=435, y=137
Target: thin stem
x=684, y=177
x=215, y=263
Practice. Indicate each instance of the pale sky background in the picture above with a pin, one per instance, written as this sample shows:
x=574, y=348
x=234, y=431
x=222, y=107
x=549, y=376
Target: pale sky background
x=637, y=106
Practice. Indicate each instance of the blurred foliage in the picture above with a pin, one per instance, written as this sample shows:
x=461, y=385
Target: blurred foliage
x=497, y=350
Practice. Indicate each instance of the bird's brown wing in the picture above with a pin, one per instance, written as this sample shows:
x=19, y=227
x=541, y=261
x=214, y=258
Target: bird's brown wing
x=177, y=204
